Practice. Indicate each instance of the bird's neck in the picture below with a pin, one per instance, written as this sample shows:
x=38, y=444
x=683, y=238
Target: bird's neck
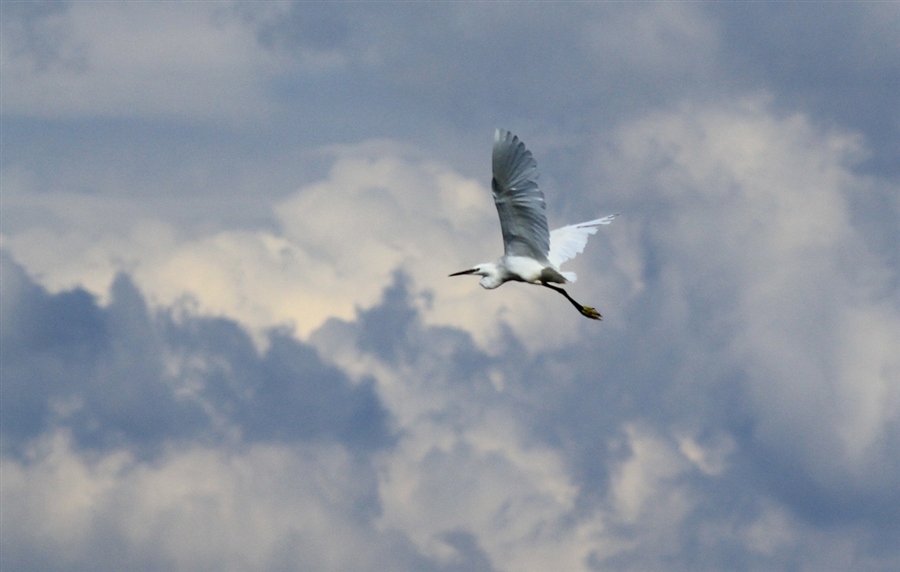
x=493, y=277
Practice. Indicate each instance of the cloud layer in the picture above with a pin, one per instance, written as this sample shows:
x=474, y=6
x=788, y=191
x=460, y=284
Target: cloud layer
x=229, y=341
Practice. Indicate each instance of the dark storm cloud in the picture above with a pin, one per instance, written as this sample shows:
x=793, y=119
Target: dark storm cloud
x=121, y=375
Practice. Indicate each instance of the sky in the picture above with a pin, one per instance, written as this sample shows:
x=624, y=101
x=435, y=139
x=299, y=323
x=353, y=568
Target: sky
x=229, y=341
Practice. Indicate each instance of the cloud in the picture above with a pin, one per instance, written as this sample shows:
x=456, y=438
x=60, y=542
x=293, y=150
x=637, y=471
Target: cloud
x=176, y=421
x=618, y=474
x=75, y=60
x=229, y=340
x=339, y=240
x=754, y=210
x=40, y=34
x=488, y=464
x=122, y=374
x=832, y=63
x=739, y=232
x=260, y=507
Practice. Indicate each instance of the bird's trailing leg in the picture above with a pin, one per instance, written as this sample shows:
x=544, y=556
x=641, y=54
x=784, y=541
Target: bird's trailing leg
x=586, y=311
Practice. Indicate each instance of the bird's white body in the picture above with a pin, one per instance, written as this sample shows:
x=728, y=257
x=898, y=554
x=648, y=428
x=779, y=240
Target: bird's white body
x=518, y=268
x=532, y=253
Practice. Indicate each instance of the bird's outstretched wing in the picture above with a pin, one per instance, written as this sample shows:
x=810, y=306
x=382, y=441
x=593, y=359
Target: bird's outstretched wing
x=568, y=242
x=520, y=203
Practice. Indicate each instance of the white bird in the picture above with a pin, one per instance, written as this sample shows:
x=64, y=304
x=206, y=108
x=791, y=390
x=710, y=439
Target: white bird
x=532, y=254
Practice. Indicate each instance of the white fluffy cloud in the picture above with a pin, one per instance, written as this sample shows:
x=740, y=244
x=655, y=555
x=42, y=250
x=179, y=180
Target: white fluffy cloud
x=258, y=508
x=752, y=222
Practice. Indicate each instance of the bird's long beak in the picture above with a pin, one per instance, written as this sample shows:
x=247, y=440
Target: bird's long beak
x=469, y=271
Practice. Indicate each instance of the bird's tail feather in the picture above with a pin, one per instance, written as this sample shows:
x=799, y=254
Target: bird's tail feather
x=569, y=276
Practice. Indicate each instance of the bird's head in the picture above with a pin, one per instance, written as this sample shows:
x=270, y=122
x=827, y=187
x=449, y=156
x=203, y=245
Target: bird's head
x=491, y=275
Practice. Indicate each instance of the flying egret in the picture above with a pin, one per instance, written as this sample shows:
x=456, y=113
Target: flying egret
x=532, y=254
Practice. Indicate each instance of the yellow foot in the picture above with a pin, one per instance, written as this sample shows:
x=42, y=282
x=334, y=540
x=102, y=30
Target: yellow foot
x=590, y=313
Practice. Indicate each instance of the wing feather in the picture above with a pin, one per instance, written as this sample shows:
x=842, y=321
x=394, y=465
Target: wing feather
x=519, y=200
x=569, y=241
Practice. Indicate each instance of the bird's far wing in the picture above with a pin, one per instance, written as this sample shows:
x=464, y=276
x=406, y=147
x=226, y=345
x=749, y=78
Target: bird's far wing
x=520, y=203
x=568, y=242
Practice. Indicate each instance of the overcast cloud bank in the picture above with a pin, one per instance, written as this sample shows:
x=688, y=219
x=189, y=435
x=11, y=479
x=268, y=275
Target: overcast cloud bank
x=229, y=343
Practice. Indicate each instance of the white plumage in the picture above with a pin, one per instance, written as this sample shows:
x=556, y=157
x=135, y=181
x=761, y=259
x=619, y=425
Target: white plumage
x=531, y=253
x=569, y=241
